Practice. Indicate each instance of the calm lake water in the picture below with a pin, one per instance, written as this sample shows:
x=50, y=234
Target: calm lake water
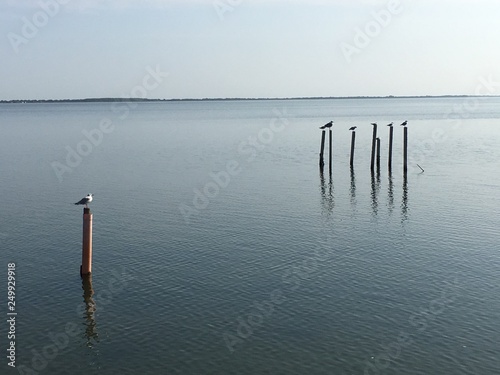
x=219, y=248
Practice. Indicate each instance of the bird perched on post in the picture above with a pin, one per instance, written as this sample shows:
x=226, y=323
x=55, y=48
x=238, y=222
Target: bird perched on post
x=86, y=200
x=404, y=123
x=353, y=128
x=390, y=124
x=328, y=125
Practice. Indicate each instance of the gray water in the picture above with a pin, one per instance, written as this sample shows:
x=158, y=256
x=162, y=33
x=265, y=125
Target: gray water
x=281, y=269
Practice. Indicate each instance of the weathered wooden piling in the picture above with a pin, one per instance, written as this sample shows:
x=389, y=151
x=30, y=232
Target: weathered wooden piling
x=322, y=150
x=391, y=137
x=405, y=150
x=330, y=152
x=374, y=140
x=86, y=267
x=353, y=142
x=378, y=155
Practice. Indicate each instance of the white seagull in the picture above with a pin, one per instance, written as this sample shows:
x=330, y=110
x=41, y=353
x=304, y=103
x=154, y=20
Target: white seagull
x=86, y=200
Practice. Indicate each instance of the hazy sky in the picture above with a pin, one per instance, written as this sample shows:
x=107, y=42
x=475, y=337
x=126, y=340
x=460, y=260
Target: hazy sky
x=246, y=48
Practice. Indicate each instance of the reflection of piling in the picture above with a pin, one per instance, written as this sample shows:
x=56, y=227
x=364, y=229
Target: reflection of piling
x=404, y=202
x=378, y=155
x=321, y=152
x=405, y=151
x=391, y=193
x=391, y=136
x=90, y=309
x=374, y=137
x=86, y=267
x=330, y=152
x=353, y=187
x=353, y=142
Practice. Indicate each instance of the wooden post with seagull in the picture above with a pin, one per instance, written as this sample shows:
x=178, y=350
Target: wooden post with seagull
x=86, y=266
x=353, y=143
x=405, y=148
x=322, y=150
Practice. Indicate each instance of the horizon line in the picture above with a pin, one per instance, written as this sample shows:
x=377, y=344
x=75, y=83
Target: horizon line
x=111, y=99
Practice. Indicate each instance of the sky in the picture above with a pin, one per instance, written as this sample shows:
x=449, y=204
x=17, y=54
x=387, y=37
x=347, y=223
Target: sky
x=71, y=49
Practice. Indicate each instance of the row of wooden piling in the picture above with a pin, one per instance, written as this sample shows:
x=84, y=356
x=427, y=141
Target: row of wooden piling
x=375, y=151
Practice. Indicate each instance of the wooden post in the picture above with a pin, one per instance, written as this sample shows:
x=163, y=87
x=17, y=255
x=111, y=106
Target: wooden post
x=330, y=152
x=353, y=142
x=378, y=155
x=374, y=138
x=405, y=151
x=391, y=136
x=321, y=162
x=86, y=267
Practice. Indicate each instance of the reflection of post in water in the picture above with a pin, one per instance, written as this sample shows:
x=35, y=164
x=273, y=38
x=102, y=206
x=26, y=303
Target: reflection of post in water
x=353, y=187
x=327, y=201
x=375, y=187
x=404, y=201
x=391, y=192
x=89, y=313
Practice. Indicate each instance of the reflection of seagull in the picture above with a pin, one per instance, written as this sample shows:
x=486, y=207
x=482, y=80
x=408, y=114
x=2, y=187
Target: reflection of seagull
x=390, y=124
x=329, y=125
x=85, y=200
x=353, y=128
x=404, y=123
x=374, y=123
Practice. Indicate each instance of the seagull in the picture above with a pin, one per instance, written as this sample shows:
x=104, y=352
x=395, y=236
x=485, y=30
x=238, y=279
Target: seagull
x=390, y=124
x=329, y=125
x=353, y=128
x=85, y=200
x=405, y=123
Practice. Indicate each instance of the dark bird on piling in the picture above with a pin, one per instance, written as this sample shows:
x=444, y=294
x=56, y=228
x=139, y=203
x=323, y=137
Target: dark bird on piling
x=374, y=123
x=88, y=198
x=353, y=128
x=329, y=125
x=404, y=123
x=390, y=124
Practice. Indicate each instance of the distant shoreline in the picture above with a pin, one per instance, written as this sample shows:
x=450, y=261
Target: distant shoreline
x=115, y=100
